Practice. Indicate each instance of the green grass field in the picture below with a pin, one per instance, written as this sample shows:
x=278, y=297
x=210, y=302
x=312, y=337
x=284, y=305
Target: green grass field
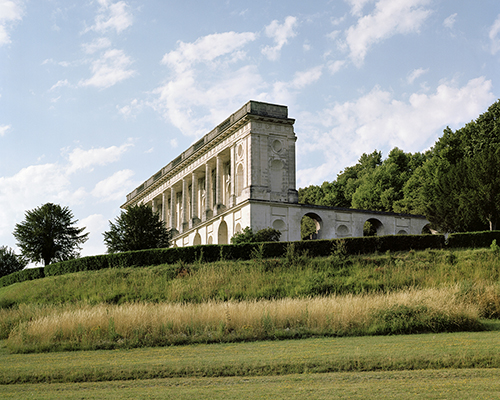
x=429, y=366
x=456, y=365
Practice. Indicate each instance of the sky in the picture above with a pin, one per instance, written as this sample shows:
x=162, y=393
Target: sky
x=98, y=95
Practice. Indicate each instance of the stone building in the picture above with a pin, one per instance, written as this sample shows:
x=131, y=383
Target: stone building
x=241, y=174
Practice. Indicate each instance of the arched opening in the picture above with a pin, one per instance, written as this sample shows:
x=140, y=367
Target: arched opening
x=239, y=179
x=210, y=240
x=310, y=226
x=426, y=230
x=372, y=227
x=237, y=228
x=402, y=232
x=222, y=239
x=197, y=239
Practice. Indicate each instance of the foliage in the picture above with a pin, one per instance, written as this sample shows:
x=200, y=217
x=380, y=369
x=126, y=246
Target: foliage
x=47, y=234
x=262, y=235
x=137, y=228
x=462, y=189
x=9, y=262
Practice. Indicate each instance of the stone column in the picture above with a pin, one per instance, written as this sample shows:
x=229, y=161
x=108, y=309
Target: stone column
x=173, y=224
x=194, y=198
x=208, y=190
x=164, y=207
x=153, y=205
x=232, y=172
x=184, y=214
x=219, y=171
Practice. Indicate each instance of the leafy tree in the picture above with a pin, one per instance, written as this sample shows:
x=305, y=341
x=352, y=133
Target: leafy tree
x=263, y=235
x=461, y=192
x=9, y=262
x=47, y=234
x=137, y=228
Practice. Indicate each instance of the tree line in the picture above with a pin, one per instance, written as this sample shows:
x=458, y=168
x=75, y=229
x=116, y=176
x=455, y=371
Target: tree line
x=455, y=184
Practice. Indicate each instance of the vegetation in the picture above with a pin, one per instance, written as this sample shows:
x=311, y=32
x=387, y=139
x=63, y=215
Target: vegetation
x=137, y=228
x=406, y=292
x=308, y=356
x=456, y=184
x=9, y=262
x=456, y=384
x=48, y=234
x=263, y=235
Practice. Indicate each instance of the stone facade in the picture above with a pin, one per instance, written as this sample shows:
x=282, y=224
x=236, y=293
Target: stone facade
x=242, y=173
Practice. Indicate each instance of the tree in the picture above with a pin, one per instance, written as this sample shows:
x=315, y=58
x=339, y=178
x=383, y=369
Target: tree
x=9, y=261
x=47, y=234
x=461, y=192
x=263, y=235
x=137, y=228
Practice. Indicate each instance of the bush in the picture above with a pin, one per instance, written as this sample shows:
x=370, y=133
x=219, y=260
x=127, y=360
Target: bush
x=473, y=239
x=21, y=276
x=245, y=251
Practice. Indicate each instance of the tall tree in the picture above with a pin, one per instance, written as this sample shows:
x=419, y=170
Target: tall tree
x=462, y=189
x=137, y=228
x=9, y=261
x=47, y=234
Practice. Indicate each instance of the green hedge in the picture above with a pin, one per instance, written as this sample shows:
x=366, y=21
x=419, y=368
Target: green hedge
x=473, y=239
x=211, y=253
x=20, y=276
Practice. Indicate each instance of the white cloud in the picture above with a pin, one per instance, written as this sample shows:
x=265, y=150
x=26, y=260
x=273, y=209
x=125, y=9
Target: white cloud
x=112, y=16
x=61, y=83
x=52, y=182
x=280, y=33
x=115, y=187
x=379, y=121
x=389, y=18
x=85, y=159
x=494, y=35
x=416, y=73
x=207, y=49
x=336, y=66
x=207, y=80
x=450, y=21
x=96, y=45
x=10, y=12
x=357, y=6
x=4, y=129
x=109, y=70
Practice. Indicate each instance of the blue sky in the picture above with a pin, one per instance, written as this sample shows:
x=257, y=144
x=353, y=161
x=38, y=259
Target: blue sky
x=96, y=96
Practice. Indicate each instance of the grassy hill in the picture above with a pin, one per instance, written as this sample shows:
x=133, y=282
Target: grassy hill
x=293, y=297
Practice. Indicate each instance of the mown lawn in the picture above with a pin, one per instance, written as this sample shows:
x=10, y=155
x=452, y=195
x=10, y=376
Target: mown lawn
x=348, y=354
x=423, y=384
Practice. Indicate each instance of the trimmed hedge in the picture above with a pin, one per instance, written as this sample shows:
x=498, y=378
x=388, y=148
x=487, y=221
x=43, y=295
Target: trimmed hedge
x=211, y=253
x=20, y=276
x=473, y=239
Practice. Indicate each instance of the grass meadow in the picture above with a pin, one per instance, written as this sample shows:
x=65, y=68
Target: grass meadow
x=216, y=330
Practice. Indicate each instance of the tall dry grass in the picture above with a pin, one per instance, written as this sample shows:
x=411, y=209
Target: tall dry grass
x=147, y=324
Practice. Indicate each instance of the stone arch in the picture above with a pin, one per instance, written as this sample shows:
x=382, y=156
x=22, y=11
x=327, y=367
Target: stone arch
x=197, y=239
x=222, y=236
x=372, y=227
x=317, y=225
x=426, y=230
x=210, y=240
x=342, y=231
x=402, y=232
